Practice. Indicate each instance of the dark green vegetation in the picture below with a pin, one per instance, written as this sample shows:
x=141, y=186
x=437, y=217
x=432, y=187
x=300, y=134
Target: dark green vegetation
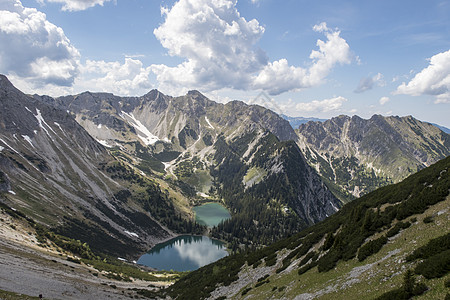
x=265, y=202
x=351, y=229
x=435, y=257
x=409, y=289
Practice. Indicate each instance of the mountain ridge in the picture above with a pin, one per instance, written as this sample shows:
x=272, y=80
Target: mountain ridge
x=370, y=153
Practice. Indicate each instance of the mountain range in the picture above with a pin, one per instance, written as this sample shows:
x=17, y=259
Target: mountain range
x=358, y=156
x=120, y=174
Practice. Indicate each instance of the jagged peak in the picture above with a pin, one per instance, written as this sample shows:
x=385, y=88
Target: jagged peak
x=154, y=93
x=195, y=93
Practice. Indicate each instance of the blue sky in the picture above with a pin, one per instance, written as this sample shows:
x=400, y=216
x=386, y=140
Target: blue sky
x=312, y=58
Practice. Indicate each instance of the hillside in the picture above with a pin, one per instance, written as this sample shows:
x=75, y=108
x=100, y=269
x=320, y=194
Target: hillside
x=355, y=156
x=364, y=250
x=57, y=174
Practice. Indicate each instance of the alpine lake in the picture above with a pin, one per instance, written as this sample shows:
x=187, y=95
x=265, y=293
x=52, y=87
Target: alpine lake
x=187, y=252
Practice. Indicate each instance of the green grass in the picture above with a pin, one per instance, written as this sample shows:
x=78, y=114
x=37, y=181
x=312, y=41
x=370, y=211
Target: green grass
x=254, y=176
x=385, y=274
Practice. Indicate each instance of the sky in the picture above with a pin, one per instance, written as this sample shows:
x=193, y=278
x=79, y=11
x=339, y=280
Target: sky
x=301, y=58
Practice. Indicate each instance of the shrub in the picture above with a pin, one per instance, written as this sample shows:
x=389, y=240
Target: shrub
x=435, y=266
x=371, y=247
x=428, y=219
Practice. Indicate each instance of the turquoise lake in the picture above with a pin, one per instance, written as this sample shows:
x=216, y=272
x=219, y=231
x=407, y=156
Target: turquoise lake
x=184, y=253
x=211, y=214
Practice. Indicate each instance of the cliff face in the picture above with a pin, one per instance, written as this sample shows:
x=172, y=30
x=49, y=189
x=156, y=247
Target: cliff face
x=361, y=155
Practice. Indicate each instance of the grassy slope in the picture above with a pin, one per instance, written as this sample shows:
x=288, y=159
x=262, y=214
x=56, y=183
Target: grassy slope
x=421, y=195
x=369, y=279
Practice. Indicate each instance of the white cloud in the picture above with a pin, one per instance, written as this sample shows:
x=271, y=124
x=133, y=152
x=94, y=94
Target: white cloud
x=384, y=100
x=433, y=80
x=278, y=77
x=325, y=105
x=33, y=48
x=217, y=43
x=368, y=83
x=76, y=5
x=220, y=51
x=129, y=78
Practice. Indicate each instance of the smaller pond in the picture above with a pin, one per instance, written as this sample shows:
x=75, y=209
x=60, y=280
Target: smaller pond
x=211, y=214
x=184, y=253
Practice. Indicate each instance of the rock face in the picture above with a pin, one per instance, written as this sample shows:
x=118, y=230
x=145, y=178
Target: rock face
x=360, y=155
x=55, y=172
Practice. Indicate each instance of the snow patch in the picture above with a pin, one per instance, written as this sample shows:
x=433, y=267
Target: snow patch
x=131, y=233
x=121, y=259
x=148, y=138
x=334, y=207
x=99, y=126
x=59, y=126
x=209, y=123
x=27, y=138
x=11, y=192
x=1, y=148
x=28, y=109
x=9, y=146
x=42, y=122
x=104, y=143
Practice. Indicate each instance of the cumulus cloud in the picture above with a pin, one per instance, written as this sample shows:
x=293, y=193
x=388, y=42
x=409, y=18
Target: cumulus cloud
x=369, y=83
x=279, y=77
x=325, y=105
x=384, y=100
x=129, y=78
x=433, y=80
x=33, y=48
x=217, y=43
x=76, y=5
x=220, y=51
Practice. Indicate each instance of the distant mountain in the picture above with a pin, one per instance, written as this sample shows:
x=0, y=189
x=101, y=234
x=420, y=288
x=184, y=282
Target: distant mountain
x=234, y=153
x=356, y=156
x=394, y=240
x=297, y=121
x=444, y=129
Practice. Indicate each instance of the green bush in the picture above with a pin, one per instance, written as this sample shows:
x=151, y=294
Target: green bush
x=433, y=247
x=428, y=219
x=435, y=266
x=371, y=247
